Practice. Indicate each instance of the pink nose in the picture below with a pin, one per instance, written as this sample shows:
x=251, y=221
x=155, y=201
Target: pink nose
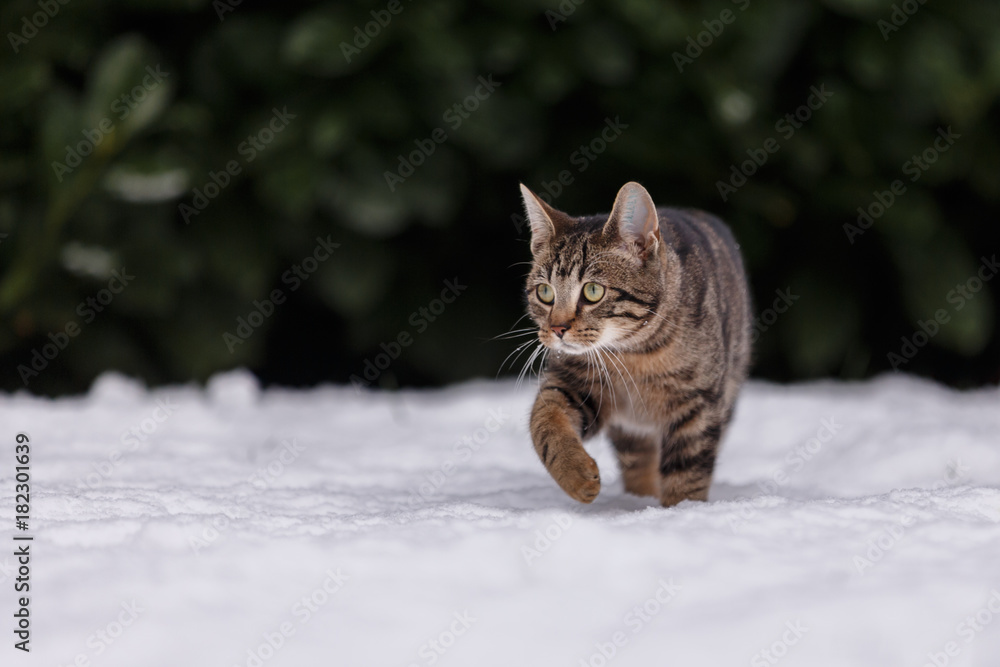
x=559, y=331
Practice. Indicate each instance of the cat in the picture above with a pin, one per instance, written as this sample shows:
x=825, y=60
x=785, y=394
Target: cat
x=644, y=315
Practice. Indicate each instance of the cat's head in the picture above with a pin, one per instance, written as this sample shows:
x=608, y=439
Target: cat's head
x=595, y=281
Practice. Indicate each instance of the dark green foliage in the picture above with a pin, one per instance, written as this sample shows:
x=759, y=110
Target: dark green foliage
x=222, y=80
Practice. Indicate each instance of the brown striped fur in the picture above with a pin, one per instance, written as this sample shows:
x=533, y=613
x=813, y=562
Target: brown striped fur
x=657, y=362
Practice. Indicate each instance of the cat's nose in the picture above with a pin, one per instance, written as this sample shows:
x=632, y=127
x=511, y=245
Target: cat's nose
x=560, y=330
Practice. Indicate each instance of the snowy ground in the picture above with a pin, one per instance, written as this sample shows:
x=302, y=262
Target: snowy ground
x=849, y=524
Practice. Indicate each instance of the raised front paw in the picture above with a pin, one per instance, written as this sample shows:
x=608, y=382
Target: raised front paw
x=578, y=476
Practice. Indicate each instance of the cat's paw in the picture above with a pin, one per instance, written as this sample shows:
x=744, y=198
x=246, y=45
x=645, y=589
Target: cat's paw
x=579, y=477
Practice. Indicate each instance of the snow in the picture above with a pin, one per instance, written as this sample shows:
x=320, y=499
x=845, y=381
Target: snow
x=849, y=524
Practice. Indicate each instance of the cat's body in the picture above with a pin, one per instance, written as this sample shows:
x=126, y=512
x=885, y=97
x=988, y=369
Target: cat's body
x=646, y=313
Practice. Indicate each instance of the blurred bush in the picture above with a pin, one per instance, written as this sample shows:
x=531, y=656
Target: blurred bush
x=201, y=148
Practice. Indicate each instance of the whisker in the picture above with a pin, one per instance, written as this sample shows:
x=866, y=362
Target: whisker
x=514, y=334
x=518, y=351
x=591, y=362
x=590, y=389
x=590, y=380
x=621, y=366
x=611, y=384
x=655, y=314
x=602, y=372
x=541, y=366
x=517, y=321
x=527, y=365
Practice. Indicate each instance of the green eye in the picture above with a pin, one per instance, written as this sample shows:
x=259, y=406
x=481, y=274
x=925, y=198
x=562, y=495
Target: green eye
x=593, y=292
x=545, y=293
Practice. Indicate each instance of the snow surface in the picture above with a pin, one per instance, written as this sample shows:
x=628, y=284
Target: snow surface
x=849, y=524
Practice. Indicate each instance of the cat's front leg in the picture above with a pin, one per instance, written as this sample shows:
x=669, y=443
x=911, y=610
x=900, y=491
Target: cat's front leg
x=559, y=420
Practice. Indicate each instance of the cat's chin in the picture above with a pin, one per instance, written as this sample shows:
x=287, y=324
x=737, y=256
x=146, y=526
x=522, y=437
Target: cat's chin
x=565, y=347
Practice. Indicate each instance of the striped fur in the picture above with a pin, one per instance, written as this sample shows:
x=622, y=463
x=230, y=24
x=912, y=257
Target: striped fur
x=657, y=362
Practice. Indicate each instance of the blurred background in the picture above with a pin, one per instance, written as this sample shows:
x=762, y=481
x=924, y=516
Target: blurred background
x=328, y=191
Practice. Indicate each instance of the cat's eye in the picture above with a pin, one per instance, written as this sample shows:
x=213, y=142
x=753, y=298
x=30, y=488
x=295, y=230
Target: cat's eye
x=593, y=292
x=545, y=293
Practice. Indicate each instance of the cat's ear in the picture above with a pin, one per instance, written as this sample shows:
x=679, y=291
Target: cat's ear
x=545, y=221
x=633, y=219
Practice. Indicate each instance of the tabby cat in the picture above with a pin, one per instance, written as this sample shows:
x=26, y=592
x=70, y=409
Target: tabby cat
x=644, y=315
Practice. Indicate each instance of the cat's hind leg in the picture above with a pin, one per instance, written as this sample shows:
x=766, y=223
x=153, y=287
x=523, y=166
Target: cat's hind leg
x=639, y=461
x=687, y=463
